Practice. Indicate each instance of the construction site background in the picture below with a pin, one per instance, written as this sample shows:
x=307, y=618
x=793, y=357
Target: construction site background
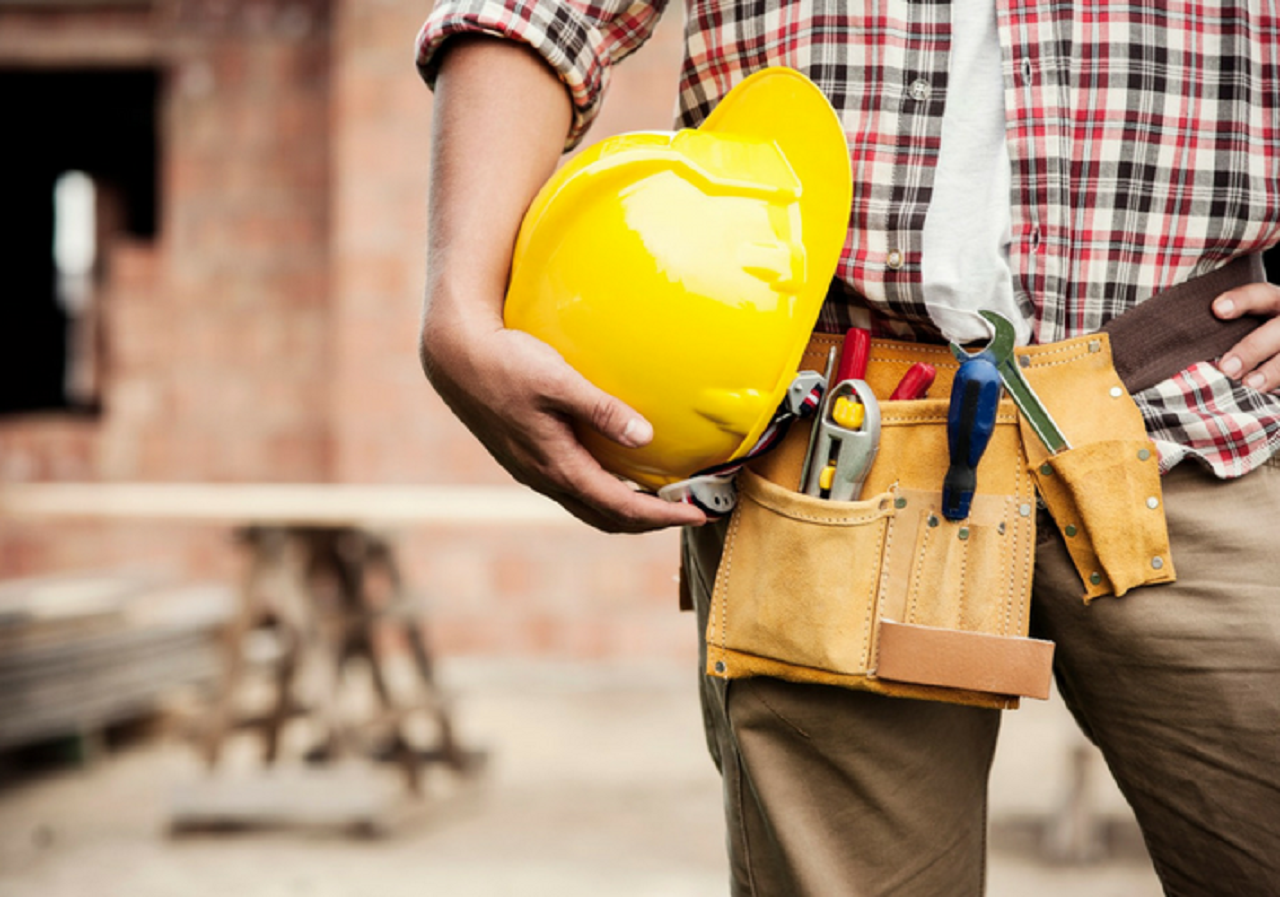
x=265, y=330
x=251, y=318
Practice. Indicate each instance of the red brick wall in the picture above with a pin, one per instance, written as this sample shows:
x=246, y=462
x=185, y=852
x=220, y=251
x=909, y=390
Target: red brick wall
x=269, y=334
x=246, y=231
x=578, y=593
x=216, y=331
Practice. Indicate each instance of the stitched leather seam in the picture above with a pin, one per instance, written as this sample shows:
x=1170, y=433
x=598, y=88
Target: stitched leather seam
x=870, y=600
x=1071, y=349
x=1025, y=478
x=911, y=416
x=850, y=517
x=919, y=574
x=731, y=541
x=885, y=554
x=1015, y=584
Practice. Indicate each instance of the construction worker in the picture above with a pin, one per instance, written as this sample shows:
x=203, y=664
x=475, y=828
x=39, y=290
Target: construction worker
x=1062, y=163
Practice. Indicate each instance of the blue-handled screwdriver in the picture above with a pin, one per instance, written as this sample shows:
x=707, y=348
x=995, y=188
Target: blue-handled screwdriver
x=975, y=397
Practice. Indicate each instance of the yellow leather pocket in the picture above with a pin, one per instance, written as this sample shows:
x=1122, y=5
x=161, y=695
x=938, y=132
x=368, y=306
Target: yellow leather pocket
x=1107, y=499
x=798, y=580
x=866, y=594
x=1104, y=492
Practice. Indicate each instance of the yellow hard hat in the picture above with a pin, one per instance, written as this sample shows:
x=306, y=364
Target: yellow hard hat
x=684, y=272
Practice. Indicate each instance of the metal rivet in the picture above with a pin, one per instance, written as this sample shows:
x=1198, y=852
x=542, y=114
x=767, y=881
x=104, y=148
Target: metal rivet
x=1144, y=454
x=1046, y=470
x=1157, y=563
x=1095, y=345
x=1024, y=510
x=899, y=502
x=720, y=667
x=1024, y=361
x=933, y=520
x=1071, y=530
x=963, y=533
x=920, y=90
x=1095, y=578
x=894, y=259
x=1153, y=502
x=1116, y=392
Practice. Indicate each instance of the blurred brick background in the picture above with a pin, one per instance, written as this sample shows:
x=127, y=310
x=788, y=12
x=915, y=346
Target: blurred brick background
x=265, y=331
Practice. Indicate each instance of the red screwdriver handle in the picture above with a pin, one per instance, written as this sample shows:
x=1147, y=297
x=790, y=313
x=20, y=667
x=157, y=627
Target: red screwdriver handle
x=854, y=355
x=915, y=382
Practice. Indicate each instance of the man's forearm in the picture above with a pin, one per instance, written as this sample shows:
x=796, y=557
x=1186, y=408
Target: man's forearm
x=500, y=121
x=501, y=117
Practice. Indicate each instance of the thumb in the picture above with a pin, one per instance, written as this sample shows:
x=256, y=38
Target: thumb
x=608, y=415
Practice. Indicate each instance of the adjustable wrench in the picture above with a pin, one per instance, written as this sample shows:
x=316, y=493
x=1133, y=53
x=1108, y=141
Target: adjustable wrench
x=1000, y=352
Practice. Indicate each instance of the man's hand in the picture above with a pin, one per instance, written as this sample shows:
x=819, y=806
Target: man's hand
x=500, y=120
x=1255, y=360
x=521, y=401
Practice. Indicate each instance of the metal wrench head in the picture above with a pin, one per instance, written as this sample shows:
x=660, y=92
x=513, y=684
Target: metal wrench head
x=999, y=348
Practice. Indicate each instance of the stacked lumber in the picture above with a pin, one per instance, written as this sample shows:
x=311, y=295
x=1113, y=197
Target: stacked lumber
x=80, y=653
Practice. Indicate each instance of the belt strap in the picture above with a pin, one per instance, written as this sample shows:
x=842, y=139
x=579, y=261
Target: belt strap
x=1177, y=328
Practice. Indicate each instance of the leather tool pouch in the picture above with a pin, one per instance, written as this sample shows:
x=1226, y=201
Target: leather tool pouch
x=884, y=594
x=1104, y=493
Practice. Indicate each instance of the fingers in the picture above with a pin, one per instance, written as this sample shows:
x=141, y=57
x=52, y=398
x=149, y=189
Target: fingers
x=1255, y=360
x=521, y=400
x=634, y=512
x=581, y=400
x=595, y=495
x=574, y=479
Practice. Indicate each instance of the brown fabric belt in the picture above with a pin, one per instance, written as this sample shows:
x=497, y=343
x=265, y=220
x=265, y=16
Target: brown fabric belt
x=1177, y=328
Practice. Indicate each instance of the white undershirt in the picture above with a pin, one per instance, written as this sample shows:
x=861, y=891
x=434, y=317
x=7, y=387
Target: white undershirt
x=965, y=255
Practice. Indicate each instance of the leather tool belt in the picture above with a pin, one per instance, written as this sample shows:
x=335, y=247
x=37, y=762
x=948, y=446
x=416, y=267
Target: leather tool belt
x=885, y=594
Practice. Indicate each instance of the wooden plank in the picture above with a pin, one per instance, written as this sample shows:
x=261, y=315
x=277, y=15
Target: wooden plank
x=284, y=504
x=73, y=613
x=59, y=608
x=63, y=706
x=106, y=653
x=38, y=598
x=350, y=798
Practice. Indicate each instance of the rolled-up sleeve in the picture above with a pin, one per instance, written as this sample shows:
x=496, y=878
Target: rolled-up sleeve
x=579, y=40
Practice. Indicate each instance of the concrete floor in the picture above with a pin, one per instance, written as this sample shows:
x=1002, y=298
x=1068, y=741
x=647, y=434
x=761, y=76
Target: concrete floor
x=598, y=783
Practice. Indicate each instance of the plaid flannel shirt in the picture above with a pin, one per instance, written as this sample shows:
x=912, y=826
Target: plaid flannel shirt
x=1144, y=137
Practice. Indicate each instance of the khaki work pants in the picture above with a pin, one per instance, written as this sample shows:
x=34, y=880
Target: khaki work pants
x=834, y=793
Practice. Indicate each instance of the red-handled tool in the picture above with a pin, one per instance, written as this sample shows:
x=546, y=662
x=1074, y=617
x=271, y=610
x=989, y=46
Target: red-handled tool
x=915, y=382
x=846, y=435
x=854, y=355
